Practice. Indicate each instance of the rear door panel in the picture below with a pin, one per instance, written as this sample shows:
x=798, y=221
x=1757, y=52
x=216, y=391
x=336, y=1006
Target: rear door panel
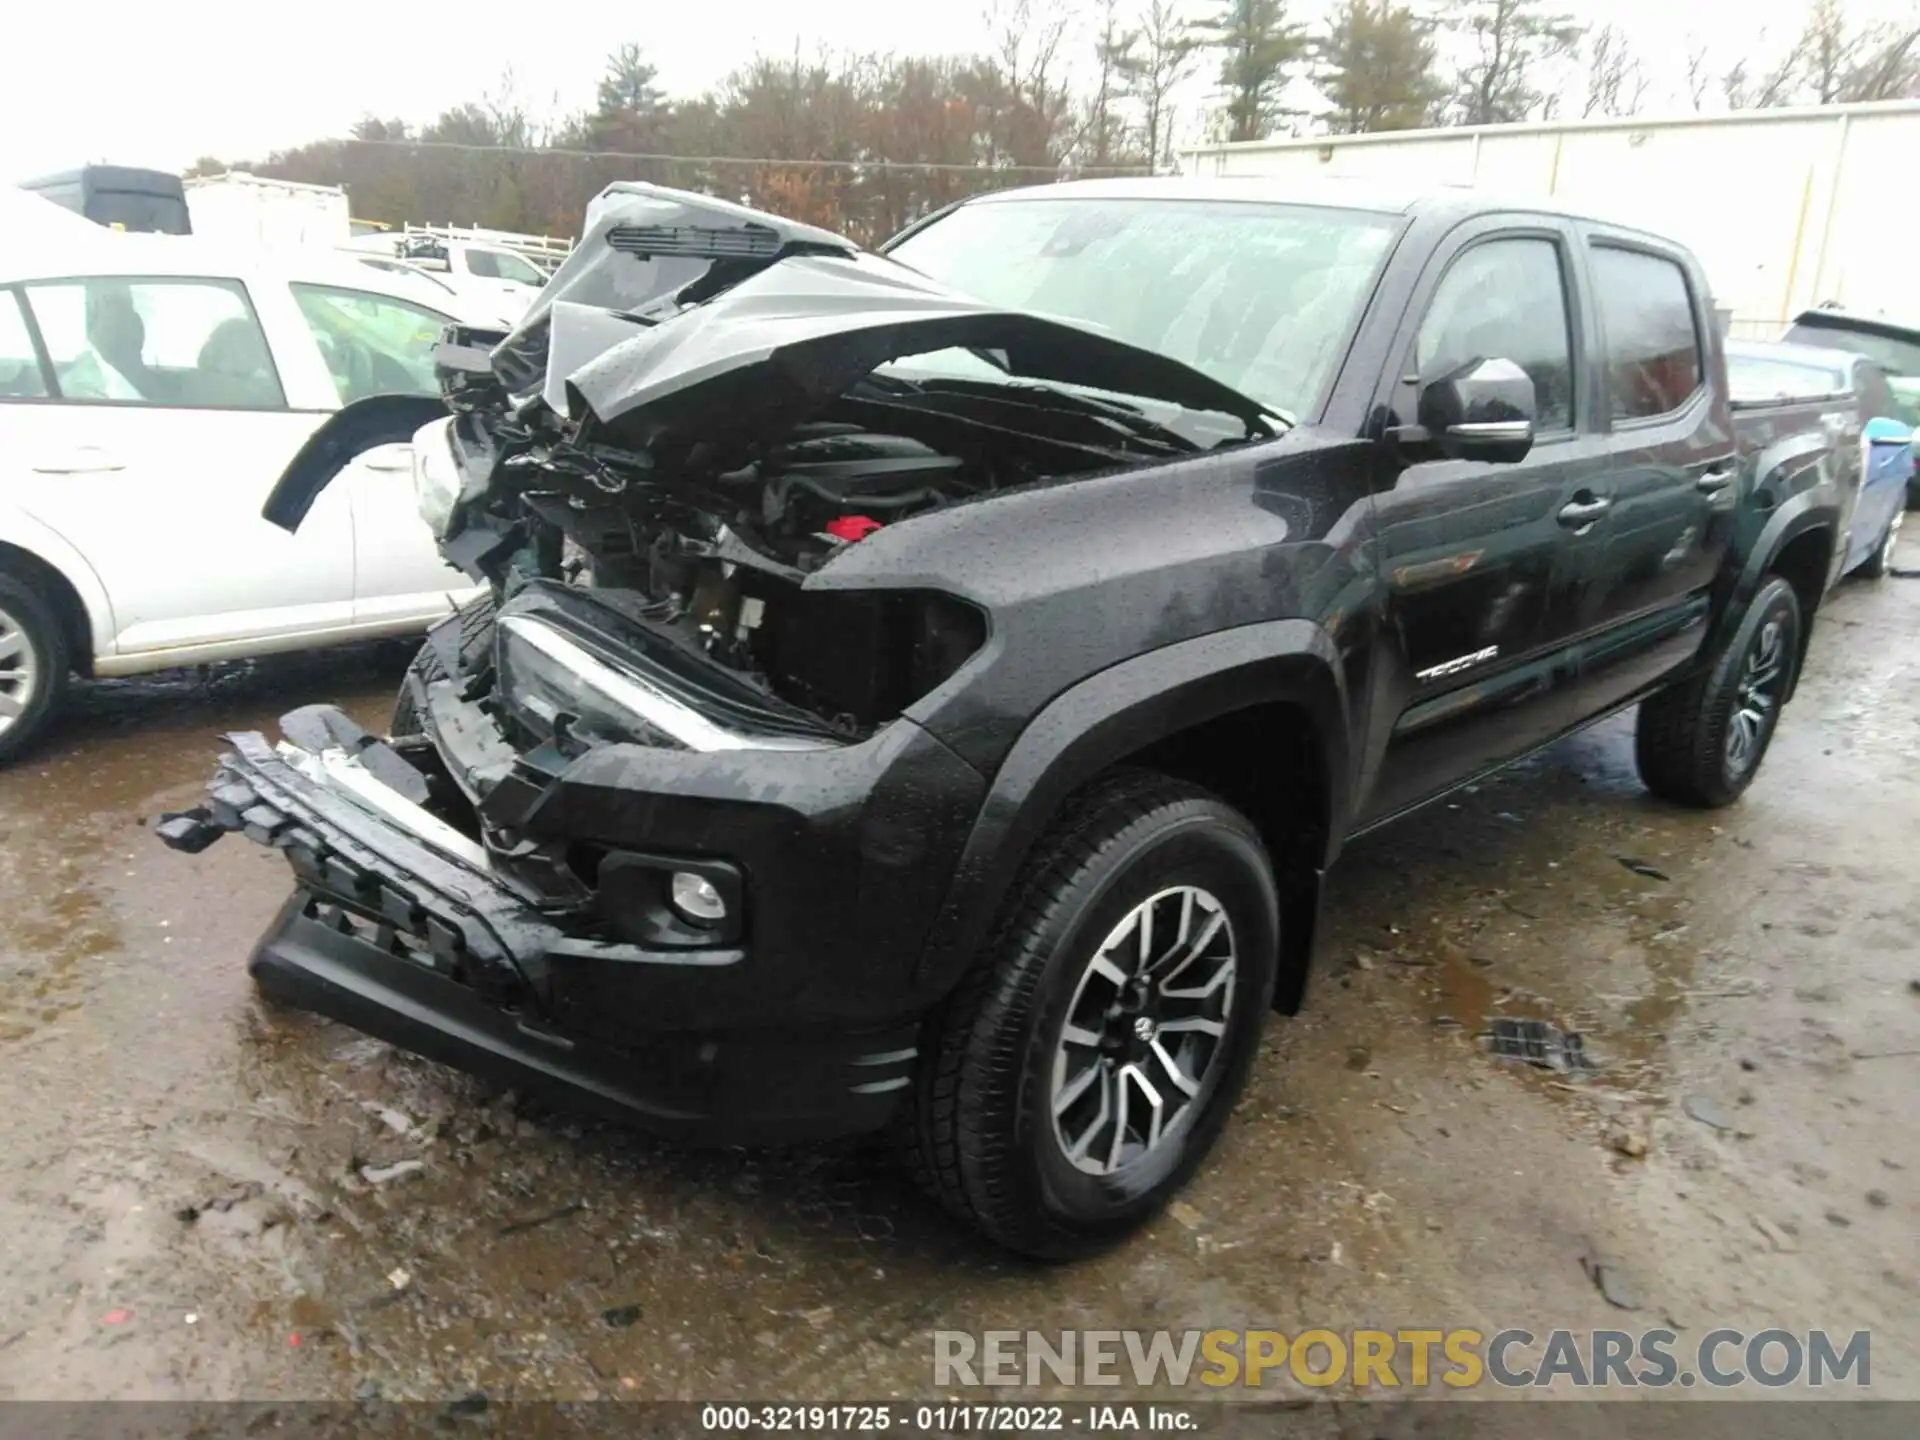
x=1643, y=596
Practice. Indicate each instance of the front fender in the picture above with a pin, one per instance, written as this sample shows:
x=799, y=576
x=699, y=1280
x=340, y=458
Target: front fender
x=22, y=531
x=1115, y=714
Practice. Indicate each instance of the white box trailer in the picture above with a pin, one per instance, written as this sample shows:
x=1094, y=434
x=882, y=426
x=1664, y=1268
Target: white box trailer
x=1787, y=209
x=252, y=209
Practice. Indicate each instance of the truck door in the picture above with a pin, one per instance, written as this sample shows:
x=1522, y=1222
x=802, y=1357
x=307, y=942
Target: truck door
x=1474, y=555
x=1641, y=601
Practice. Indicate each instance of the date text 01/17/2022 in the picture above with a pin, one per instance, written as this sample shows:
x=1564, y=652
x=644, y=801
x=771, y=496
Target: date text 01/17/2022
x=949, y=1419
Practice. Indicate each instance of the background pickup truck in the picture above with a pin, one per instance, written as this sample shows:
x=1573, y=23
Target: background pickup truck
x=926, y=690
x=1797, y=407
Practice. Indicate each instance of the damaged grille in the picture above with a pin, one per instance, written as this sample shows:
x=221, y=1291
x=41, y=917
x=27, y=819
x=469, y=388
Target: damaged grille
x=380, y=909
x=351, y=889
x=746, y=242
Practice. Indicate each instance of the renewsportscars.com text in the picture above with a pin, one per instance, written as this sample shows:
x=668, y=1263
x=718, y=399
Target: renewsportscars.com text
x=1404, y=1359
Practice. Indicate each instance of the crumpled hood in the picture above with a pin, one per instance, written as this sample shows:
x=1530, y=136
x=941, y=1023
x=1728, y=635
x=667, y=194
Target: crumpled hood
x=763, y=355
x=680, y=317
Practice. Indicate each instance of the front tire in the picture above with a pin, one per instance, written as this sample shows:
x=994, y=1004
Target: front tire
x=476, y=638
x=1701, y=742
x=1089, y=1060
x=33, y=666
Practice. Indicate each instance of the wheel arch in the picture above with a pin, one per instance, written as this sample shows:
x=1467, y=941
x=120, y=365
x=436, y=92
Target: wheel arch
x=1202, y=710
x=1798, y=543
x=67, y=583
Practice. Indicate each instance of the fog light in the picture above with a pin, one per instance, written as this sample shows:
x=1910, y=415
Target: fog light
x=694, y=897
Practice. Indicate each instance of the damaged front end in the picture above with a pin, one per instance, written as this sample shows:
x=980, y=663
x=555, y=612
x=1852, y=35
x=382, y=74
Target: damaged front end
x=655, y=823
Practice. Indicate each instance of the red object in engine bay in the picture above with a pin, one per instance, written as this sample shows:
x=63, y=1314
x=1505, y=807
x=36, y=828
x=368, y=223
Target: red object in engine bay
x=852, y=527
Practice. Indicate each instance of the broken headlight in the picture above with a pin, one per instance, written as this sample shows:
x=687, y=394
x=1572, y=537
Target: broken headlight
x=553, y=686
x=436, y=478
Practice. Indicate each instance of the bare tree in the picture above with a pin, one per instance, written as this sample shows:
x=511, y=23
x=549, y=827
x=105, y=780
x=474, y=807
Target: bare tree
x=1743, y=88
x=1616, y=83
x=1027, y=36
x=1103, y=133
x=1513, y=41
x=1699, y=78
x=1166, y=55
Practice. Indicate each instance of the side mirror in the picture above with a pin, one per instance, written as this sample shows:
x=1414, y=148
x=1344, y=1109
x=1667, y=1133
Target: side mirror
x=1883, y=430
x=1482, y=411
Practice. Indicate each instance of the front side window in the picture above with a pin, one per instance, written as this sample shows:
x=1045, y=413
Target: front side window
x=1261, y=297
x=20, y=375
x=1653, y=342
x=373, y=344
x=1504, y=300
x=182, y=343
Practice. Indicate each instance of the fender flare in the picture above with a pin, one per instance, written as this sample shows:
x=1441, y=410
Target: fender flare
x=1115, y=713
x=1809, y=510
x=23, y=532
x=347, y=433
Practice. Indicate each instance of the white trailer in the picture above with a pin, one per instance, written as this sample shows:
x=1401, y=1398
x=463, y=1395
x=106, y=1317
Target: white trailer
x=1787, y=209
x=252, y=209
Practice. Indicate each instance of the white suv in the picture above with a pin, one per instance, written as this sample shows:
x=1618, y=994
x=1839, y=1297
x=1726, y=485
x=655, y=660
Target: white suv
x=152, y=390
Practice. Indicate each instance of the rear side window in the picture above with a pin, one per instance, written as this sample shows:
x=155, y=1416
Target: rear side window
x=1653, y=343
x=1504, y=300
x=172, y=342
x=20, y=377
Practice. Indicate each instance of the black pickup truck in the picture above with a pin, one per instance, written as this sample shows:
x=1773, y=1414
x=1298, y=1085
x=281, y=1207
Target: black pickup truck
x=926, y=690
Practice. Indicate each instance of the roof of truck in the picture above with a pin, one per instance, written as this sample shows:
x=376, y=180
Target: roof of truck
x=1333, y=192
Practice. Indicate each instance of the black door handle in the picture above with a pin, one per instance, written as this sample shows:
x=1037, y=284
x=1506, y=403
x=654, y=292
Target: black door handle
x=1713, y=481
x=1579, y=514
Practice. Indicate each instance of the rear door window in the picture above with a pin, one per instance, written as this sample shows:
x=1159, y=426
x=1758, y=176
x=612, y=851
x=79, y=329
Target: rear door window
x=1652, y=338
x=20, y=375
x=186, y=343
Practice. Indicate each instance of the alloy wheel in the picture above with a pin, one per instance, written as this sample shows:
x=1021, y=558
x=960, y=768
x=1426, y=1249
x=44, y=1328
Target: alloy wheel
x=19, y=670
x=1144, y=1031
x=1756, y=696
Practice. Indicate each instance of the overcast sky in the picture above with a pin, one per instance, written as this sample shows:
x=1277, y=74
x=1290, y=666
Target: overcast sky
x=146, y=84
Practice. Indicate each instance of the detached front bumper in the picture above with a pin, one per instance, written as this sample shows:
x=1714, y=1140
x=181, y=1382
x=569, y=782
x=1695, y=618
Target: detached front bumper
x=400, y=926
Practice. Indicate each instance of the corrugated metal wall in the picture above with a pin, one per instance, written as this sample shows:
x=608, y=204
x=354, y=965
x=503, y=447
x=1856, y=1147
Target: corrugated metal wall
x=1786, y=209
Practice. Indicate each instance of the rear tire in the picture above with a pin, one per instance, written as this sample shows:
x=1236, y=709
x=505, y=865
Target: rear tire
x=1701, y=742
x=33, y=666
x=476, y=636
x=1043, y=1115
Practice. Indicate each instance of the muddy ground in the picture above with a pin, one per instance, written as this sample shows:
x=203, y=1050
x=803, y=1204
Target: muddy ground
x=185, y=1209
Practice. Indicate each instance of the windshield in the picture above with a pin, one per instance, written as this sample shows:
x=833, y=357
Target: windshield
x=1260, y=297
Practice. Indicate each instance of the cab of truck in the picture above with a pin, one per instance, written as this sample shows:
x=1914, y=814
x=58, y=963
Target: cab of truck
x=120, y=197
x=504, y=279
